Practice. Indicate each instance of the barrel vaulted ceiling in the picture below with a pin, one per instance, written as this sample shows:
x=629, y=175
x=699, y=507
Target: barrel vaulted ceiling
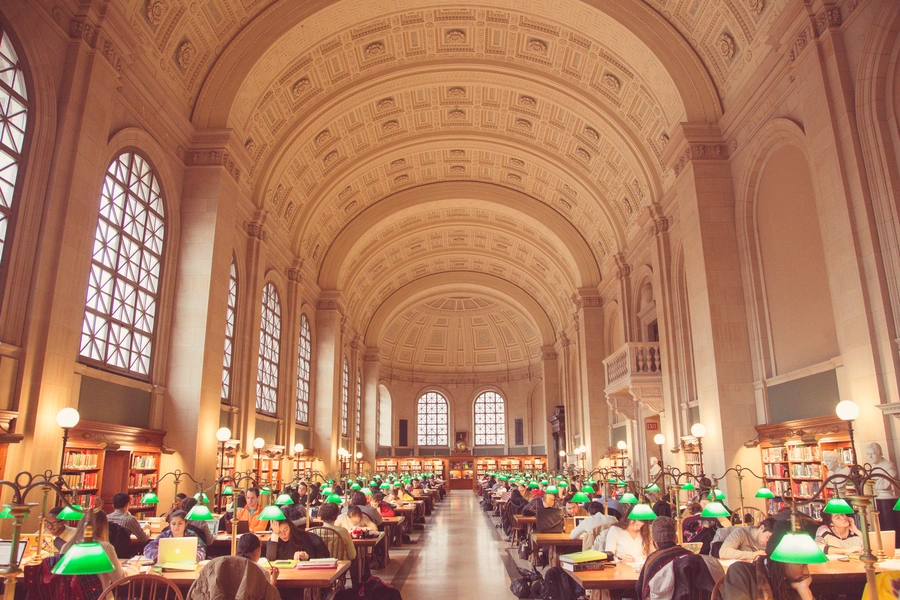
x=453, y=166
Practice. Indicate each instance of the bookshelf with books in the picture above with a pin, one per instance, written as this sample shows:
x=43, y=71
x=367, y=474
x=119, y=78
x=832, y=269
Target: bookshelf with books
x=411, y=465
x=82, y=470
x=462, y=472
x=268, y=469
x=142, y=477
x=792, y=459
x=521, y=464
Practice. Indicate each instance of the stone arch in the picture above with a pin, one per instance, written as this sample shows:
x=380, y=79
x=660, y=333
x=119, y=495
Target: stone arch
x=475, y=395
x=385, y=400
x=694, y=83
x=432, y=284
x=584, y=264
x=643, y=301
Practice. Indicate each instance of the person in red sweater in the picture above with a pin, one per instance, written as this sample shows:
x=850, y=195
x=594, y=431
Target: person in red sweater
x=377, y=502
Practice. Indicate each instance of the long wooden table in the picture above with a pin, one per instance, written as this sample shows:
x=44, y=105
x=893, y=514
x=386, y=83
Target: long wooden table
x=602, y=582
x=553, y=542
x=362, y=551
x=393, y=527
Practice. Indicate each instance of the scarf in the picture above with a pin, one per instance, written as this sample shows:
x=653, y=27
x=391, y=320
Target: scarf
x=655, y=563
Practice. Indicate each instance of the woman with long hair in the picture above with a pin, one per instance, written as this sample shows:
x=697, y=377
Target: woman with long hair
x=629, y=540
x=99, y=533
x=289, y=542
x=839, y=535
x=357, y=498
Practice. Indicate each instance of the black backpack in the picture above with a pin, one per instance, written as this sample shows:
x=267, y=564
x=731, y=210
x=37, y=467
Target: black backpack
x=559, y=586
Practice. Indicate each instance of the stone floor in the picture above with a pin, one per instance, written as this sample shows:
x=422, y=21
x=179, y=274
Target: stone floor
x=460, y=554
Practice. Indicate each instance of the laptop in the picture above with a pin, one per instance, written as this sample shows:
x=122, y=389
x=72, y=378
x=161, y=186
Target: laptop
x=6, y=552
x=242, y=527
x=578, y=521
x=178, y=553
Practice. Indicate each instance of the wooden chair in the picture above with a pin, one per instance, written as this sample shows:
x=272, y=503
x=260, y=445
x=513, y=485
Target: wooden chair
x=718, y=593
x=145, y=586
x=336, y=549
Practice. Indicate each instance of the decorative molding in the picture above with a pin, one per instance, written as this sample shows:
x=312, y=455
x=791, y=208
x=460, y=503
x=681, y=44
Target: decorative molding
x=330, y=304
x=830, y=17
x=255, y=230
x=295, y=274
x=372, y=355
x=800, y=42
x=185, y=55
x=756, y=6
x=113, y=437
x=725, y=46
x=623, y=269
x=700, y=152
x=659, y=226
x=200, y=158
x=156, y=10
x=79, y=29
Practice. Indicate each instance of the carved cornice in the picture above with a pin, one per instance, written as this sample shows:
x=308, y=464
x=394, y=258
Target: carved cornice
x=330, y=304
x=255, y=230
x=700, y=152
x=113, y=437
x=372, y=355
x=659, y=226
x=623, y=269
x=587, y=298
x=208, y=158
x=830, y=17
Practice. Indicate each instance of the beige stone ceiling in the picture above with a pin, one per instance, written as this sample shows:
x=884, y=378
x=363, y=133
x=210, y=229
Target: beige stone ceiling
x=461, y=333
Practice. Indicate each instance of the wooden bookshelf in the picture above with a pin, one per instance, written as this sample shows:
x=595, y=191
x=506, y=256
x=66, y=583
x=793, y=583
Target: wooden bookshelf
x=792, y=459
x=82, y=471
x=527, y=465
x=268, y=468
x=462, y=472
x=412, y=466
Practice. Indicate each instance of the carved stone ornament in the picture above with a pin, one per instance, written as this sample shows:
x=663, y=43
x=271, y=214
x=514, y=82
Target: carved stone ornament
x=345, y=192
x=517, y=162
x=583, y=154
x=523, y=124
x=391, y=125
x=663, y=138
x=401, y=179
x=156, y=10
x=255, y=230
x=725, y=46
x=322, y=137
x=250, y=145
x=537, y=46
x=456, y=92
x=301, y=86
x=386, y=104
x=830, y=17
x=659, y=226
x=591, y=133
x=513, y=177
x=458, y=169
x=457, y=154
x=527, y=101
x=455, y=36
x=457, y=114
x=400, y=162
x=612, y=82
x=374, y=49
x=185, y=55
x=330, y=157
x=756, y=6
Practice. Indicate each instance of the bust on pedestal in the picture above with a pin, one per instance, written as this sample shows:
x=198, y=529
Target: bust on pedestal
x=885, y=491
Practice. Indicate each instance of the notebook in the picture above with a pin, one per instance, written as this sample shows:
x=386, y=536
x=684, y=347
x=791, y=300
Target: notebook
x=6, y=552
x=178, y=553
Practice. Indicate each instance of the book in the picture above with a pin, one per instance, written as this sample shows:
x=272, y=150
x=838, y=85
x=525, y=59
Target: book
x=583, y=557
x=594, y=565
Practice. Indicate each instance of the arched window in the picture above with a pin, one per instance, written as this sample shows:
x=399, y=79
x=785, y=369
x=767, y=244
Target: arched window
x=13, y=121
x=433, y=422
x=358, y=404
x=490, y=420
x=345, y=398
x=269, y=350
x=120, y=311
x=228, y=360
x=303, y=360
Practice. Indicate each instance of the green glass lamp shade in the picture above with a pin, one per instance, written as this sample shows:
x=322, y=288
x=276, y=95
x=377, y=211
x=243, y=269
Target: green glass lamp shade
x=628, y=498
x=366, y=492
x=798, y=548
x=272, y=513
x=580, y=497
x=652, y=488
x=334, y=498
x=897, y=506
x=559, y=477
x=689, y=487
x=622, y=483
x=226, y=490
x=199, y=513
x=385, y=486
x=373, y=483
x=533, y=485
x=6, y=513
x=150, y=498
x=642, y=512
x=612, y=480
x=545, y=482
x=326, y=490
x=764, y=492
x=266, y=491
x=716, y=494
x=71, y=513
x=587, y=489
x=330, y=482
x=839, y=506
x=552, y=489
x=201, y=497
x=563, y=484
x=503, y=478
x=715, y=509
x=283, y=499
x=355, y=486
x=85, y=558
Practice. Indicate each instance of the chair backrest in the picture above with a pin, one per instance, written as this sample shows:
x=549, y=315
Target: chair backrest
x=717, y=593
x=334, y=542
x=146, y=587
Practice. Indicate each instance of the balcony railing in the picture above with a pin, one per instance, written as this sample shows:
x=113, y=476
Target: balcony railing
x=635, y=359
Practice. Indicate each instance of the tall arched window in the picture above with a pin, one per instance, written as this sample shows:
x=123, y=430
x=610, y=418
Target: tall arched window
x=228, y=360
x=269, y=350
x=433, y=420
x=303, y=360
x=13, y=121
x=345, y=398
x=120, y=311
x=358, y=404
x=490, y=420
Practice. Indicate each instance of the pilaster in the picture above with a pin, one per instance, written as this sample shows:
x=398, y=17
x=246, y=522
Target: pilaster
x=329, y=362
x=589, y=307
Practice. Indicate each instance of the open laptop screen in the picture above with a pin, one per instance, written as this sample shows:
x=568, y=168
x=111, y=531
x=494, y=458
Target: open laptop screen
x=6, y=552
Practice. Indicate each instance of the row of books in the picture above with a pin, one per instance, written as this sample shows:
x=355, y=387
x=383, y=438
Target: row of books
x=136, y=480
x=587, y=560
x=804, y=453
x=806, y=470
x=81, y=481
x=143, y=461
x=81, y=460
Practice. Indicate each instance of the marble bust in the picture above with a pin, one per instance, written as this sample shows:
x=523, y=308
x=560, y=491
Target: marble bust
x=884, y=490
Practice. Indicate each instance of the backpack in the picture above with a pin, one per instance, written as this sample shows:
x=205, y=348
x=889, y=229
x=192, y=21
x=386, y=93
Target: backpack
x=372, y=588
x=559, y=586
x=520, y=588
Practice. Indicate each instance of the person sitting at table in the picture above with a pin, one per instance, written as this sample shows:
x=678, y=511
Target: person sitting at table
x=608, y=500
x=200, y=528
x=629, y=541
x=99, y=524
x=549, y=518
x=573, y=509
x=337, y=489
x=289, y=542
x=176, y=505
x=357, y=498
x=61, y=532
x=252, y=510
x=537, y=500
x=121, y=517
x=745, y=543
x=596, y=519
x=355, y=519
x=302, y=493
x=839, y=535
x=177, y=528
x=405, y=496
x=672, y=570
x=227, y=576
x=766, y=579
x=377, y=502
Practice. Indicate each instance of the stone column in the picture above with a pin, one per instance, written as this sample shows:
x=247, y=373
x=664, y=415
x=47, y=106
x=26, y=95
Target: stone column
x=552, y=395
x=705, y=197
x=290, y=335
x=595, y=428
x=329, y=362
x=371, y=371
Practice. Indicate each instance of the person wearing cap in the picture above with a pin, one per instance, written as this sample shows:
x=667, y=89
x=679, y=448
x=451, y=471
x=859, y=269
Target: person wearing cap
x=537, y=499
x=765, y=578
